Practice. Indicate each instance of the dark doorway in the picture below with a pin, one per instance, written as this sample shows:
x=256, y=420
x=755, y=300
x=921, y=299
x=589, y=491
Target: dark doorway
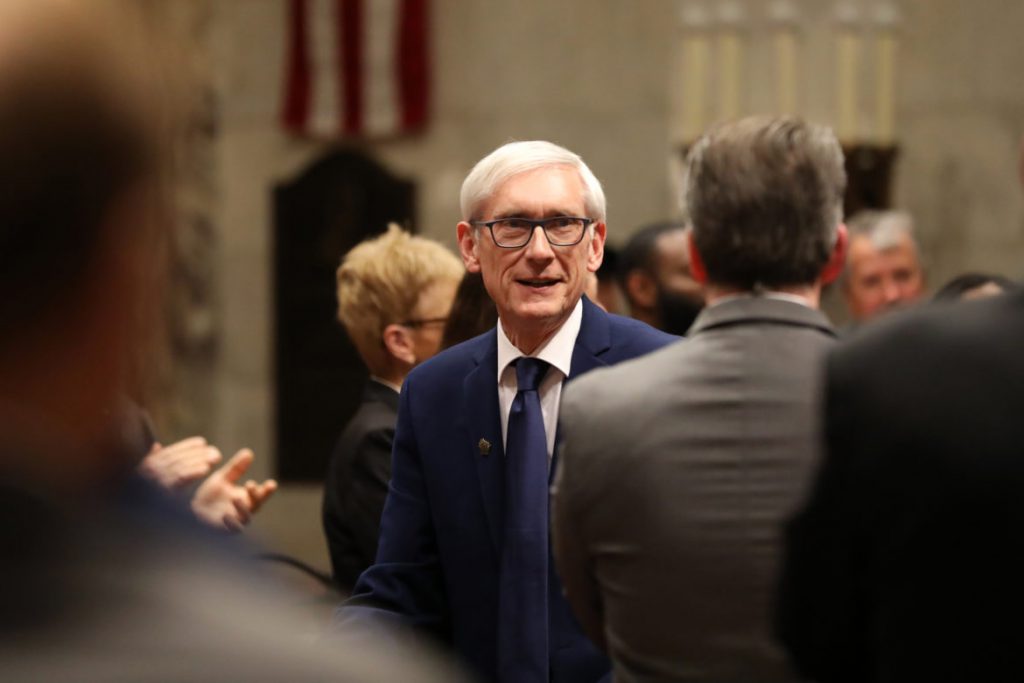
x=337, y=202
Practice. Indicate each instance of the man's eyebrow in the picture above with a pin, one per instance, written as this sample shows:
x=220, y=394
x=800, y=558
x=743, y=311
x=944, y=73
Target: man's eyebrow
x=519, y=213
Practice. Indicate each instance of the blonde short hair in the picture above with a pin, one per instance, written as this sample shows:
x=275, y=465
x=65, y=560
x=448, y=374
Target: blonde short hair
x=380, y=282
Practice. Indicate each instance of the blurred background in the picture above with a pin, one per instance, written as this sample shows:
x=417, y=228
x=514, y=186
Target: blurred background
x=314, y=122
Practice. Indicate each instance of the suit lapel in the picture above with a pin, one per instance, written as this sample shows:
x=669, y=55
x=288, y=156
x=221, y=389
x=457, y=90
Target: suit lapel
x=593, y=341
x=481, y=412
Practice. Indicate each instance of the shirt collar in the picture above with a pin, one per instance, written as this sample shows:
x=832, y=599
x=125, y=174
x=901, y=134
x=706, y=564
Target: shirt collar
x=397, y=388
x=557, y=351
x=767, y=294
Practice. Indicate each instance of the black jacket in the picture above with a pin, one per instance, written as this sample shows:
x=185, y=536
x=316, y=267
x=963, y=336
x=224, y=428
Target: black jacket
x=357, y=484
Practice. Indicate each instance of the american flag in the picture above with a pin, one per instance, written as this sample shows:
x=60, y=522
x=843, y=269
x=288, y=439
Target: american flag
x=356, y=68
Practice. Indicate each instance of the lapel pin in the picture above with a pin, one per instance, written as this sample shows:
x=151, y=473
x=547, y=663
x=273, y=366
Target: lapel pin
x=485, y=447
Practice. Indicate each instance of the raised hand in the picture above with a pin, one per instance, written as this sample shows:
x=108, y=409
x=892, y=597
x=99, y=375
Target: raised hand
x=221, y=502
x=176, y=466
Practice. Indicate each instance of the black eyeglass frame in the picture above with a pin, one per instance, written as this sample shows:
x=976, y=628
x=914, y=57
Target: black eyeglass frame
x=534, y=224
x=423, y=322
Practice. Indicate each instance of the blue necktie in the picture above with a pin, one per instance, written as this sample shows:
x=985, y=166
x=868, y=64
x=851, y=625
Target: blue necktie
x=523, y=602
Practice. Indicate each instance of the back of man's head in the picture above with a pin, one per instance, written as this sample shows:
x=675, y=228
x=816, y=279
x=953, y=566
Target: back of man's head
x=764, y=197
x=79, y=158
x=75, y=137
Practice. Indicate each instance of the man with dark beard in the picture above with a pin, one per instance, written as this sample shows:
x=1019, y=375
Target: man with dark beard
x=656, y=279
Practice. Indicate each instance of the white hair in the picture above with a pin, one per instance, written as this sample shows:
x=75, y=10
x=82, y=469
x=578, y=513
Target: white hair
x=514, y=158
x=883, y=229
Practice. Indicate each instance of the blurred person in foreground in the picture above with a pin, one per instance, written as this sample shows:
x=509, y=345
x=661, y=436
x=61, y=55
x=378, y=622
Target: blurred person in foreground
x=677, y=469
x=883, y=265
x=464, y=553
x=905, y=563
x=99, y=579
x=394, y=295
x=656, y=279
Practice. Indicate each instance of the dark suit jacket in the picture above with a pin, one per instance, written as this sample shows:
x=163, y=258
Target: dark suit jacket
x=438, y=562
x=908, y=562
x=357, y=484
x=676, y=473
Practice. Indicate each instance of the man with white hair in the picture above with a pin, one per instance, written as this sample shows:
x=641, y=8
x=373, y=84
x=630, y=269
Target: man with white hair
x=883, y=267
x=464, y=551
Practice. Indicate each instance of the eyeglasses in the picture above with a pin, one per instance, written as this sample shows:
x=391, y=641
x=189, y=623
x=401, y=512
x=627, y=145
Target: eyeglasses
x=515, y=233
x=423, y=322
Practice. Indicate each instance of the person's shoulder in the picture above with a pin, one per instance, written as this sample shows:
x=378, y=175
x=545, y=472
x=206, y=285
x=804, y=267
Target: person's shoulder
x=628, y=333
x=932, y=334
x=621, y=382
x=455, y=360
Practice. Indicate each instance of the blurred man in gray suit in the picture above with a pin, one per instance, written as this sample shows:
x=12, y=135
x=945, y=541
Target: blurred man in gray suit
x=678, y=468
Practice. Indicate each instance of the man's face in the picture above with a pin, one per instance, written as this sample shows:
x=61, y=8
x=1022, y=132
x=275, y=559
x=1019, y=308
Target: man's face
x=680, y=297
x=878, y=281
x=433, y=307
x=536, y=287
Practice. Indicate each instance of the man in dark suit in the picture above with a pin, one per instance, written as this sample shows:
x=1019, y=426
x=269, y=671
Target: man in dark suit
x=394, y=294
x=907, y=561
x=678, y=468
x=464, y=546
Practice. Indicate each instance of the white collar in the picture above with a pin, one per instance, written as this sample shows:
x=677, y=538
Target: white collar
x=397, y=388
x=557, y=350
x=766, y=294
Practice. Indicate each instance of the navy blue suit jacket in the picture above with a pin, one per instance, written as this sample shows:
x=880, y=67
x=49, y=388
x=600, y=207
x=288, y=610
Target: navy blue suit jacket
x=439, y=552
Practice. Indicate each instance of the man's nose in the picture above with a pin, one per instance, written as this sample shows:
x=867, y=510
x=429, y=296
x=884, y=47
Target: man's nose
x=538, y=247
x=892, y=291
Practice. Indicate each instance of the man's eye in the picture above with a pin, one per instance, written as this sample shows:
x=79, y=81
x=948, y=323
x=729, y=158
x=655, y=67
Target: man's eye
x=515, y=224
x=871, y=282
x=560, y=222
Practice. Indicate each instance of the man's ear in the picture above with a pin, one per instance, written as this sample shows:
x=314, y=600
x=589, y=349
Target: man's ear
x=837, y=261
x=398, y=343
x=595, y=253
x=467, y=236
x=697, y=269
x=641, y=290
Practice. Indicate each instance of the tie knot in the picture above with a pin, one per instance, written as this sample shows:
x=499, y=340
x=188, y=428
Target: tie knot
x=529, y=373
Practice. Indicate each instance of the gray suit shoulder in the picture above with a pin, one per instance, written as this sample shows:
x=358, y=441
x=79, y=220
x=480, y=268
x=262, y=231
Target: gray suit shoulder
x=600, y=394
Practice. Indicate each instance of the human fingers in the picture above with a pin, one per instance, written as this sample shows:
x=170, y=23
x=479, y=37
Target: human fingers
x=210, y=455
x=243, y=507
x=259, y=493
x=231, y=522
x=185, y=444
x=233, y=470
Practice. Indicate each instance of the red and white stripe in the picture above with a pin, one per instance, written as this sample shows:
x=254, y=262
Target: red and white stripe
x=356, y=68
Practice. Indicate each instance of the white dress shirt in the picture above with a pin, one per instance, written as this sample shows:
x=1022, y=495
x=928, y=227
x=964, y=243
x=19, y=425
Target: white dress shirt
x=557, y=351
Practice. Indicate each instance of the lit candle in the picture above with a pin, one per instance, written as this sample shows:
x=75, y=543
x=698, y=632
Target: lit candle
x=783, y=15
x=847, y=70
x=730, y=56
x=730, y=59
x=887, y=19
x=785, y=55
x=696, y=63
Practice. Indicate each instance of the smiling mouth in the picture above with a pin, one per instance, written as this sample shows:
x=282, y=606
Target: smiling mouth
x=537, y=283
